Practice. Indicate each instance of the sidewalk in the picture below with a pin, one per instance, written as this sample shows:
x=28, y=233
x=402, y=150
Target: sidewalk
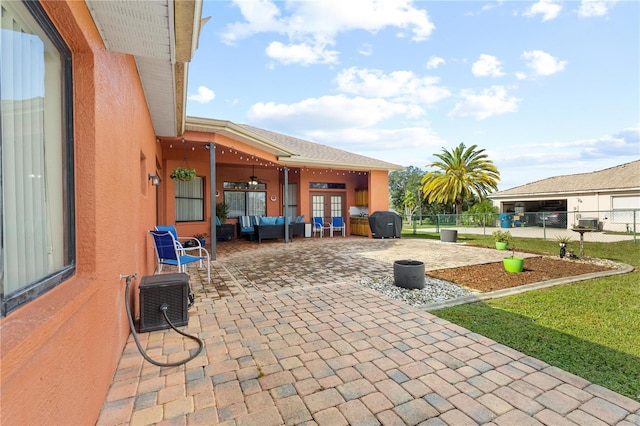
x=289, y=339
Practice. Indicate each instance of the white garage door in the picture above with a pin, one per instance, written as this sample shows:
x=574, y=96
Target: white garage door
x=624, y=209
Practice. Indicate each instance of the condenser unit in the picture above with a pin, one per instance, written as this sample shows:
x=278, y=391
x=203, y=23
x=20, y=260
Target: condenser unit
x=590, y=223
x=171, y=290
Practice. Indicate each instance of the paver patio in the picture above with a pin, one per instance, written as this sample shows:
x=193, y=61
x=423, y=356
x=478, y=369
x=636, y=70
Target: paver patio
x=289, y=339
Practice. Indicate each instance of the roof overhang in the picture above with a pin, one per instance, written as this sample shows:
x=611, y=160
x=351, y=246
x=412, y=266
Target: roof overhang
x=233, y=131
x=307, y=162
x=162, y=35
x=561, y=194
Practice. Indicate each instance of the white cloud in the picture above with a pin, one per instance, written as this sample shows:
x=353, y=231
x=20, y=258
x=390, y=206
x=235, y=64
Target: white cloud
x=487, y=66
x=317, y=23
x=330, y=112
x=303, y=54
x=589, y=8
x=584, y=155
x=485, y=103
x=375, y=141
x=543, y=63
x=402, y=86
x=204, y=95
x=261, y=16
x=549, y=9
x=366, y=50
x=434, y=62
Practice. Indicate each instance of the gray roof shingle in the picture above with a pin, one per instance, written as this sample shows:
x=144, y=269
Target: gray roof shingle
x=317, y=153
x=624, y=176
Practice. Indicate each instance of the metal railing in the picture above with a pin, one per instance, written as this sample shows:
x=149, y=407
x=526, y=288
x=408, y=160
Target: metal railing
x=600, y=225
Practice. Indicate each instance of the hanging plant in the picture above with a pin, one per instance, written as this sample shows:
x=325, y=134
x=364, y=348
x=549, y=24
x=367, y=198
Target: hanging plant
x=183, y=173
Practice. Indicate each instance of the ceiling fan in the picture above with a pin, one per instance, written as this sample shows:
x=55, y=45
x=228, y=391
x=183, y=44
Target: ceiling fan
x=253, y=179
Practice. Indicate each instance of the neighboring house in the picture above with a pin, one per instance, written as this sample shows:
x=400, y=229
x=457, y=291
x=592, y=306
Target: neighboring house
x=93, y=101
x=609, y=197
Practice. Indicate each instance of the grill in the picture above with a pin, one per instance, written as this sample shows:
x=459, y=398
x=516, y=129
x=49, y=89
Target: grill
x=385, y=224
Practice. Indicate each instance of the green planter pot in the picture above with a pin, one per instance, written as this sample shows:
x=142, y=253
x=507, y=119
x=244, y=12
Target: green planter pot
x=501, y=245
x=513, y=264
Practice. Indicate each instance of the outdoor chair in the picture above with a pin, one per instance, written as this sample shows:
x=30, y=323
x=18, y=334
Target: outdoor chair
x=245, y=227
x=337, y=224
x=319, y=226
x=224, y=231
x=187, y=243
x=170, y=252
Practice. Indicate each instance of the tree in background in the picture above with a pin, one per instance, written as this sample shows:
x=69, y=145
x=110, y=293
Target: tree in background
x=482, y=213
x=401, y=182
x=411, y=204
x=460, y=175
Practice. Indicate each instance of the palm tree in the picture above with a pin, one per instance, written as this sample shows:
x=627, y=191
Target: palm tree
x=460, y=174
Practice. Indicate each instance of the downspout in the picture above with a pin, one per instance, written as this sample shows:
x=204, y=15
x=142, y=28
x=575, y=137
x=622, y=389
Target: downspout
x=285, y=201
x=212, y=196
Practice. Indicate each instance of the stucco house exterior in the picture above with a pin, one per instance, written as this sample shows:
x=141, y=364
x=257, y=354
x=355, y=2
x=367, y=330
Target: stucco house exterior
x=320, y=180
x=608, y=198
x=93, y=105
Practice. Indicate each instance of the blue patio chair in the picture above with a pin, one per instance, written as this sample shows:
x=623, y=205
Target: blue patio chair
x=187, y=243
x=337, y=224
x=320, y=226
x=169, y=252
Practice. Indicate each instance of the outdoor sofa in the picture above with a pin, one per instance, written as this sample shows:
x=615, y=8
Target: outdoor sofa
x=269, y=227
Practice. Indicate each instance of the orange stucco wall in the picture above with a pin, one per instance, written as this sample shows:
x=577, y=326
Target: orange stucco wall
x=59, y=351
x=378, y=191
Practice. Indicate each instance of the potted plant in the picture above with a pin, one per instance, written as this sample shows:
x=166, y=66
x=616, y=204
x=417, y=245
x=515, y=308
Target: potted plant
x=502, y=239
x=513, y=263
x=222, y=212
x=202, y=237
x=562, y=241
x=183, y=173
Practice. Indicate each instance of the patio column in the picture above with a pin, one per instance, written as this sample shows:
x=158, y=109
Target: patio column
x=285, y=202
x=212, y=196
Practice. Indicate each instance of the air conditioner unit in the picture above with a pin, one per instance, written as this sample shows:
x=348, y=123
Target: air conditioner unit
x=590, y=223
x=157, y=290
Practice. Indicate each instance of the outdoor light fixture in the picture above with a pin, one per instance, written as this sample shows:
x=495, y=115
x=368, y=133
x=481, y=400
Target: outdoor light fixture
x=155, y=179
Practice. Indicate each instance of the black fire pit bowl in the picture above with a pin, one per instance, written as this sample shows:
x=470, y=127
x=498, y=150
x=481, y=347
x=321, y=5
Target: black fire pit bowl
x=409, y=274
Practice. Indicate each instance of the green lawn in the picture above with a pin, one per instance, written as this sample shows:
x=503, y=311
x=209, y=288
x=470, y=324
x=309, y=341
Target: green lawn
x=591, y=328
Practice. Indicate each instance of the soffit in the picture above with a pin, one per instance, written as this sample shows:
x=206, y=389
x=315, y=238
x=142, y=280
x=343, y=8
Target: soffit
x=159, y=34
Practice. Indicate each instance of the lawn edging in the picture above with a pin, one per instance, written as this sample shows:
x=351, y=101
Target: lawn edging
x=478, y=297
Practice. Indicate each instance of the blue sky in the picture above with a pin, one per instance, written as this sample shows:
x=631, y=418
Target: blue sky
x=547, y=88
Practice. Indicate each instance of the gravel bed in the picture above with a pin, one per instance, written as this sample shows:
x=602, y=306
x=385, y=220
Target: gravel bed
x=434, y=290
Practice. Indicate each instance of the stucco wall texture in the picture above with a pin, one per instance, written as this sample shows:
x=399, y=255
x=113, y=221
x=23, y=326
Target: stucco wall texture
x=59, y=351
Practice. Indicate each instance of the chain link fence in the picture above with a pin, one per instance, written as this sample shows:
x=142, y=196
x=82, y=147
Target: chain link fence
x=601, y=225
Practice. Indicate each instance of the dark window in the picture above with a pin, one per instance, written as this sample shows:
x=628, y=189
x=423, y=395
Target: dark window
x=243, y=203
x=38, y=222
x=326, y=185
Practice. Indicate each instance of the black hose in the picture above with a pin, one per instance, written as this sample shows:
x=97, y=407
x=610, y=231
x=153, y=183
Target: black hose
x=163, y=308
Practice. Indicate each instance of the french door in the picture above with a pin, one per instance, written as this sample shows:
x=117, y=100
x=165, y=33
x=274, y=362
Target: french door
x=327, y=205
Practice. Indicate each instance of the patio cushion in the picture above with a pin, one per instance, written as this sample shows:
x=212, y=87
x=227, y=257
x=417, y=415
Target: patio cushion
x=268, y=220
x=246, y=224
x=279, y=220
x=300, y=219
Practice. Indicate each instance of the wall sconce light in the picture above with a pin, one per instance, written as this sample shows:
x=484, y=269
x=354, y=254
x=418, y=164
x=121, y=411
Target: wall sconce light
x=155, y=179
